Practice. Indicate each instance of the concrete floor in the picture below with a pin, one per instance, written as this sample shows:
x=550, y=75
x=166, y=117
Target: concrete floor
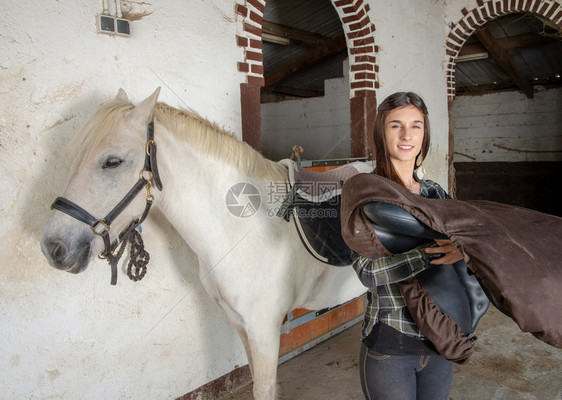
x=507, y=365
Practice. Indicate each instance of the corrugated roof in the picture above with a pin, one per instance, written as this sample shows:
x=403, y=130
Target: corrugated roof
x=315, y=16
x=533, y=45
x=540, y=62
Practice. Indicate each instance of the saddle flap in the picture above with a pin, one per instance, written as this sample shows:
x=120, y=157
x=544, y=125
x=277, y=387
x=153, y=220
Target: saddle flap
x=319, y=227
x=448, y=293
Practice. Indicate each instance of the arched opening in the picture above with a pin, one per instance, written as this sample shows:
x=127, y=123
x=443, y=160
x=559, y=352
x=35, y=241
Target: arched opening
x=321, y=37
x=507, y=106
x=305, y=97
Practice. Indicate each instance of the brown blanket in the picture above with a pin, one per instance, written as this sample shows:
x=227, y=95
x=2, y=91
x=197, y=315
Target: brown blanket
x=516, y=253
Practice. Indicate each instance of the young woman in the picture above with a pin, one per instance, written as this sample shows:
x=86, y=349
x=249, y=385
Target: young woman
x=396, y=361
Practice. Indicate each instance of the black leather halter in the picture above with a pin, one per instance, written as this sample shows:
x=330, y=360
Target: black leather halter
x=148, y=176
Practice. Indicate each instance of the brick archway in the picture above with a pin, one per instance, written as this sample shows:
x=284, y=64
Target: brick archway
x=459, y=34
x=485, y=12
x=363, y=70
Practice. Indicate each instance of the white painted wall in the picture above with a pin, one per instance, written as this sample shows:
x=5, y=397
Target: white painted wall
x=75, y=336
x=411, y=37
x=509, y=127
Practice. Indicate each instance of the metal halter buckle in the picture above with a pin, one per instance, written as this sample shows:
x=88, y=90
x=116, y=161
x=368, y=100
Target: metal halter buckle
x=100, y=227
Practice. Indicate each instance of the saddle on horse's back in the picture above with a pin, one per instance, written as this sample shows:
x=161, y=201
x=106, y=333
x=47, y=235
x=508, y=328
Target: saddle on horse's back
x=314, y=201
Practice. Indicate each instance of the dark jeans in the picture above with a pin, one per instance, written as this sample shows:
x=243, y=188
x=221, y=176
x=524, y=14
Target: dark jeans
x=408, y=377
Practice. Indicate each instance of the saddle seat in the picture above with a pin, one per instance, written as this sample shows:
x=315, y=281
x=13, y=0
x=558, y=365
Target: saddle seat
x=454, y=290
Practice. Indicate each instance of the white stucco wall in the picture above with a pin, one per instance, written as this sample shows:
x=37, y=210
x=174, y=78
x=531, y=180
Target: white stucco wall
x=411, y=38
x=508, y=127
x=75, y=336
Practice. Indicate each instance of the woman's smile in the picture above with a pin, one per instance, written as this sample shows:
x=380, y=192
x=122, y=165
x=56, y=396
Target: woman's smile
x=404, y=130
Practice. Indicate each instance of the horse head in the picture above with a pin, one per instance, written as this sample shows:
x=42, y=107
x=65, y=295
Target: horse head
x=98, y=202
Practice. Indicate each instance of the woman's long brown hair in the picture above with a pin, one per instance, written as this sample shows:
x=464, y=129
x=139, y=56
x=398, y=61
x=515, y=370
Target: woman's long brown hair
x=384, y=166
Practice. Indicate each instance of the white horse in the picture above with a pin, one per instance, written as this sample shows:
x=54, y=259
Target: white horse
x=253, y=266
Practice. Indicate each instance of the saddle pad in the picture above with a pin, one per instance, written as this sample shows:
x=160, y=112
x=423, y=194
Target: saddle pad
x=314, y=202
x=319, y=227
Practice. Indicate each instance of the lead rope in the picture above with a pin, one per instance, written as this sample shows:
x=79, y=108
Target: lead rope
x=138, y=257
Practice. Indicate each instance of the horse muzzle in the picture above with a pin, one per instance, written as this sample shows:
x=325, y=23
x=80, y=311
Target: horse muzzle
x=60, y=254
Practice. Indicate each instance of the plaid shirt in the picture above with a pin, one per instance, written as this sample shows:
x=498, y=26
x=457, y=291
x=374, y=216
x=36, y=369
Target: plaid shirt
x=385, y=302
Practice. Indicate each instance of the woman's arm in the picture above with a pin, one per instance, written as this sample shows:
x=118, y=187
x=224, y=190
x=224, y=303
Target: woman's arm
x=391, y=269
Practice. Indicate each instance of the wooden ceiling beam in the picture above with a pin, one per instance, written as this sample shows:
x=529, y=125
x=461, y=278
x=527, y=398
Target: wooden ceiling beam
x=514, y=42
x=524, y=41
x=307, y=60
x=503, y=58
x=293, y=91
x=478, y=90
x=293, y=34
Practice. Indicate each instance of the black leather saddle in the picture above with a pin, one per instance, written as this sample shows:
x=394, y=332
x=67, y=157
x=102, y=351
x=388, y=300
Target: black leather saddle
x=452, y=288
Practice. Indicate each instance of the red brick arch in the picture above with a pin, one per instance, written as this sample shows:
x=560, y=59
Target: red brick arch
x=485, y=12
x=363, y=70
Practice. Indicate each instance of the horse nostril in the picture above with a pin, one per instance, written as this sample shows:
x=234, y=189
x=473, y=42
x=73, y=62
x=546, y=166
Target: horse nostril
x=57, y=251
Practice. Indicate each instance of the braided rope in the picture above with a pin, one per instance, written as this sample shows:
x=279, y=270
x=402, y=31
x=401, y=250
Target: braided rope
x=138, y=257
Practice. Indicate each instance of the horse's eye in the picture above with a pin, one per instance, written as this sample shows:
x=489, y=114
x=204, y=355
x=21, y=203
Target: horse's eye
x=112, y=163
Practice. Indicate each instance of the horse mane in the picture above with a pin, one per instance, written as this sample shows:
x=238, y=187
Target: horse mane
x=207, y=137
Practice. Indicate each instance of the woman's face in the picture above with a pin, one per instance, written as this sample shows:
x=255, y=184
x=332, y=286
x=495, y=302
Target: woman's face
x=403, y=131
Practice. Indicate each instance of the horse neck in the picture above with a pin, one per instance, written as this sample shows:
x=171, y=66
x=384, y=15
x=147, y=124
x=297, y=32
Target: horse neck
x=195, y=188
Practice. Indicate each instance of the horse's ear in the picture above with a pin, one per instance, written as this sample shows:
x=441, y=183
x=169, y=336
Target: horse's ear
x=141, y=115
x=122, y=96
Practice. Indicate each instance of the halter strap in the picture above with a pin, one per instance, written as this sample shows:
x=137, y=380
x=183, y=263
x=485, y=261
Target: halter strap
x=148, y=175
x=74, y=210
x=150, y=163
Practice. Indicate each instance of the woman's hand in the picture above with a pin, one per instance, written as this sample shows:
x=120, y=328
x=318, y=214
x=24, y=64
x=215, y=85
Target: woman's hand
x=451, y=254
